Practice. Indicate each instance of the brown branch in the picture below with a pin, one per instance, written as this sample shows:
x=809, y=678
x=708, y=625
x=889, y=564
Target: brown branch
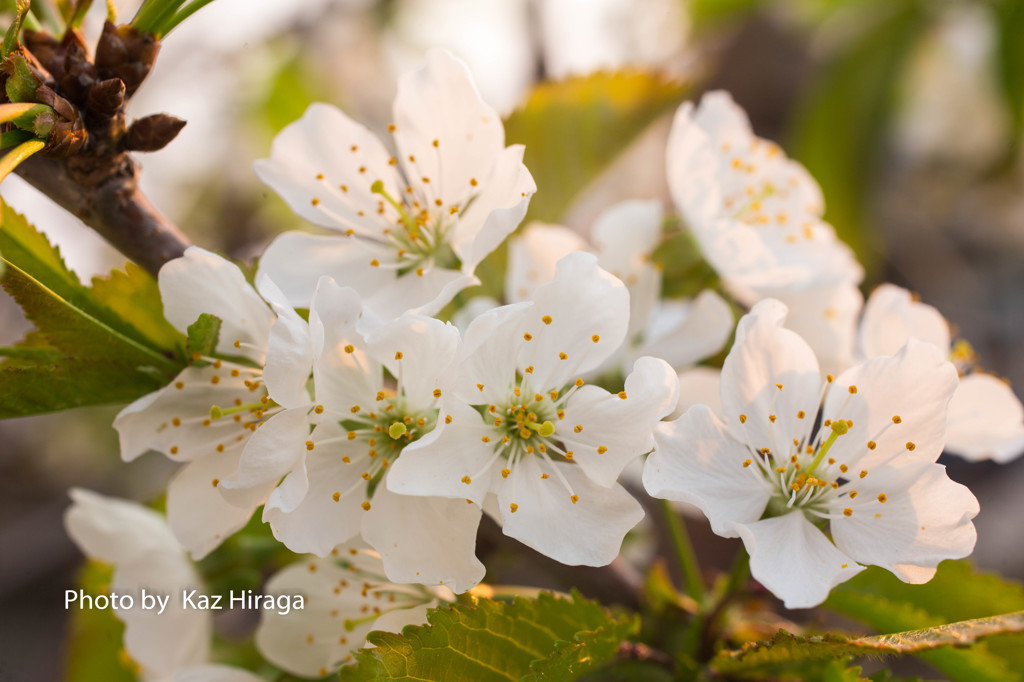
x=113, y=206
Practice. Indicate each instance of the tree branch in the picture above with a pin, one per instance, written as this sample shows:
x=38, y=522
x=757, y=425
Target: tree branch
x=113, y=206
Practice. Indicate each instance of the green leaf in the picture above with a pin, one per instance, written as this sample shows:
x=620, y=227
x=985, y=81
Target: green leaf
x=203, y=335
x=133, y=295
x=96, y=364
x=573, y=129
x=95, y=648
x=491, y=641
x=784, y=648
x=840, y=121
x=956, y=593
x=1010, y=59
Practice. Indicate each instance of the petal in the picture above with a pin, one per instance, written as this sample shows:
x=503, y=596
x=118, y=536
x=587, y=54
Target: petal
x=296, y=261
x=532, y=256
x=420, y=352
x=891, y=316
x=683, y=334
x=582, y=315
x=343, y=374
x=625, y=235
x=316, y=523
x=986, y=420
x=289, y=352
x=271, y=452
x=695, y=460
x=491, y=346
x=203, y=282
x=424, y=293
x=323, y=166
x=699, y=386
x=116, y=531
x=196, y=511
x=615, y=430
x=925, y=519
x=426, y=540
x=176, y=419
x=440, y=463
x=472, y=309
x=826, y=317
x=211, y=673
x=769, y=377
x=794, y=560
x=587, y=532
x=896, y=402
x=394, y=621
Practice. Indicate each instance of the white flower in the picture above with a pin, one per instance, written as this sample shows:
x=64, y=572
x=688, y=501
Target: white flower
x=205, y=415
x=145, y=554
x=418, y=221
x=521, y=424
x=769, y=476
x=986, y=419
x=624, y=238
x=343, y=603
x=334, y=451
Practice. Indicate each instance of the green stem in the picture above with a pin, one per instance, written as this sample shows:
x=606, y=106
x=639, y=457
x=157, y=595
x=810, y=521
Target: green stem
x=739, y=574
x=183, y=14
x=684, y=552
x=17, y=155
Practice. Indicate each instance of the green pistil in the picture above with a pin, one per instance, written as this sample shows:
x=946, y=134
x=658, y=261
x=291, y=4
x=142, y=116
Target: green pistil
x=217, y=412
x=544, y=430
x=839, y=428
x=378, y=188
x=397, y=430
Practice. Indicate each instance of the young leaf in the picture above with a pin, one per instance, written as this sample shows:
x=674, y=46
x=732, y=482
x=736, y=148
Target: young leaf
x=492, y=640
x=202, y=336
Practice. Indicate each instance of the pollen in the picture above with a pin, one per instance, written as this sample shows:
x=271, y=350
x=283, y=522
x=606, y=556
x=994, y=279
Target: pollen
x=601, y=450
x=852, y=389
x=351, y=435
x=505, y=472
x=529, y=370
x=354, y=409
x=375, y=263
x=480, y=387
x=872, y=445
x=771, y=418
x=577, y=428
x=843, y=468
x=174, y=449
x=910, y=445
x=574, y=498
x=743, y=419
x=896, y=419
x=179, y=385
x=447, y=419
x=315, y=202
x=466, y=479
x=882, y=498
x=365, y=505
x=527, y=336
x=829, y=378
x=746, y=463
x=513, y=507
x=474, y=183
x=310, y=445
x=546, y=319
x=350, y=348
x=579, y=382
x=485, y=439
x=437, y=393
x=176, y=421
x=563, y=356
x=215, y=380
x=847, y=512
x=863, y=473
x=595, y=338
x=778, y=386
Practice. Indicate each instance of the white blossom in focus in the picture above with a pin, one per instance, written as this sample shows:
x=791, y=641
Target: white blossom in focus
x=986, y=419
x=681, y=332
x=374, y=393
x=414, y=223
x=757, y=216
x=346, y=597
x=521, y=424
x=766, y=472
x=204, y=417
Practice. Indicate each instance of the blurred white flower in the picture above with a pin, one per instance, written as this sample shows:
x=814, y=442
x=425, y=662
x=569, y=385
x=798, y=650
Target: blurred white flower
x=343, y=603
x=772, y=477
x=414, y=225
x=520, y=423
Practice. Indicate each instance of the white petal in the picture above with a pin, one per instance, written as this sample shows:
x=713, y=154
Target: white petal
x=116, y=531
x=428, y=350
x=925, y=519
x=196, y=511
x=699, y=386
x=532, y=256
x=914, y=387
x=314, y=167
x=892, y=316
x=296, y=261
x=795, y=560
x=684, y=334
x=394, y=621
x=271, y=452
x=625, y=235
x=695, y=460
x=588, y=532
x=472, y=309
x=582, y=303
x=986, y=420
x=176, y=421
x=826, y=317
x=770, y=372
x=424, y=294
x=342, y=379
x=289, y=352
x=211, y=673
x=623, y=427
x=490, y=350
x=203, y=282
x=317, y=523
x=426, y=540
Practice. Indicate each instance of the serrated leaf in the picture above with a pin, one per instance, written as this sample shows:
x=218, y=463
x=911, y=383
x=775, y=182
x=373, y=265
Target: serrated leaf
x=491, y=641
x=785, y=648
x=588, y=650
x=133, y=295
x=96, y=364
x=203, y=335
x=95, y=640
x=574, y=128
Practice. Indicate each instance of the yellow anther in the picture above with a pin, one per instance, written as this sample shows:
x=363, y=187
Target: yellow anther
x=310, y=445
x=843, y=468
x=365, y=506
x=910, y=445
x=882, y=498
x=853, y=494
x=485, y=439
x=529, y=370
x=350, y=348
x=778, y=386
x=513, y=507
x=743, y=419
x=466, y=479
x=505, y=473
x=527, y=336
x=852, y=389
x=872, y=445
x=746, y=463
x=354, y=409
x=577, y=428
x=351, y=435
x=771, y=418
x=896, y=419
x=336, y=496
x=480, y=387
x=447, y=419
x=622, y=395
x=595, y=338
x=829, y=378
x=601, y=450
x=563, y=356
x=437, y=393
x=574, y=498
x=847, y=512
x=863, y=473
x=546, y=319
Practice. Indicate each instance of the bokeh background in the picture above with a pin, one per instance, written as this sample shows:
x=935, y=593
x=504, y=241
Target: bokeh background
x=909, y=112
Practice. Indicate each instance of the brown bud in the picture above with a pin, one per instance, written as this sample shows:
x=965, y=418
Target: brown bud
x=67, y=138
x=78, y=74
x=46, y=49
x=106, y=97
x=152, y=133
x=122, y=52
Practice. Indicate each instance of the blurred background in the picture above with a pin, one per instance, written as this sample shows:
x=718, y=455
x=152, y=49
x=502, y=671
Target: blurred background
x=910, y=113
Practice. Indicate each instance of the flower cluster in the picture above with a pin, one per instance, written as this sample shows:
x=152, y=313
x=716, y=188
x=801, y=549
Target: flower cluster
x=365, y=424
